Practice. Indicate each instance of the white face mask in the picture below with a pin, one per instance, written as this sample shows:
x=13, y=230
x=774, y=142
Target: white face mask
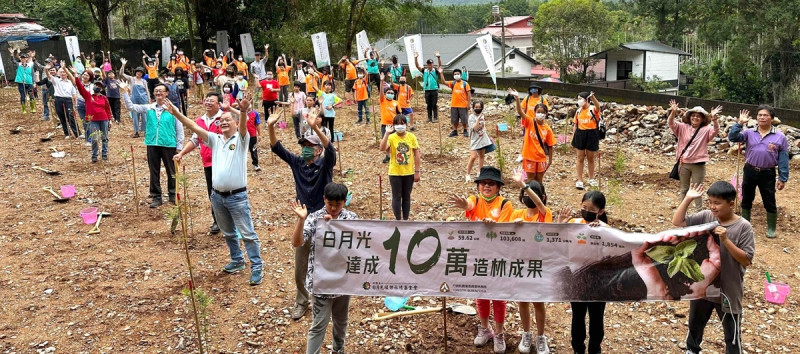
x=269, y=77
x=540, y=116
x=581, y=102
x=400, y=128
x=170, y=79
x=226, y=90
x=457, y=77
x=241, y=77
x=240, y=59
x=360, y=76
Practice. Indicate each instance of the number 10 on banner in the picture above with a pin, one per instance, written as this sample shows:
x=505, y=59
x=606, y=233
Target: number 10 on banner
x=393, y=245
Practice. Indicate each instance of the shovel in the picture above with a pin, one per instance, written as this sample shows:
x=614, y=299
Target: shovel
x=15, y=130
x=58, y=199
x=56, y=153
x=96, y=228
x=48, y=137
x=455, y=308
x=49, y=172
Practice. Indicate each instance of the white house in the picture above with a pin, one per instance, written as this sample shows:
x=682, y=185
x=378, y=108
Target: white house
x=647, y=59
x=461, y=50
x=518, y=32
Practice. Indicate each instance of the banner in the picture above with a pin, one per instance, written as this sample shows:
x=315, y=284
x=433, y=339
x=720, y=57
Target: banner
x=413, y=45
x=222, y=42
x=528, y=262
x=486, y=45
x=2, y=66
x=248, y=51
x=166, y=50
x=362, y=42
x=73, y=48
x=321, y=54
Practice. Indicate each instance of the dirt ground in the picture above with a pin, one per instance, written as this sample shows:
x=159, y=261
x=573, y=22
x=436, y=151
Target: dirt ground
x=120, y=290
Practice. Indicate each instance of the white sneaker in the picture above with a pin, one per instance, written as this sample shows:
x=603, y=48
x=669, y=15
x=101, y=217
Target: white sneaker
x=66, y=137
x=579, y=185
x=81, y=136
x=526, y=342
x=88, y=143
x=500, y=343
x=467, y=178
x=519, y=159
x=593, y=182
x=483, y=337
x=541, y=345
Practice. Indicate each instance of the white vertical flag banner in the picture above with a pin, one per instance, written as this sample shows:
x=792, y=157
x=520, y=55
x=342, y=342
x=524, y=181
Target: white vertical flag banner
x=362, y=42
x=321, y=54
x=73, y=48
x=414, y=45
x=2, y=69
x=486, y=45
x=222, y=42
x=166, y=50
x=248, y=51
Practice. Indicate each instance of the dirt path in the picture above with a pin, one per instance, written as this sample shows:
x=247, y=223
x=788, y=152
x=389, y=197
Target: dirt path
x=120, y=290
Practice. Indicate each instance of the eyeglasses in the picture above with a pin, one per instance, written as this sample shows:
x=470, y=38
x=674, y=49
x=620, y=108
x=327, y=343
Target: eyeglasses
x=487, y=183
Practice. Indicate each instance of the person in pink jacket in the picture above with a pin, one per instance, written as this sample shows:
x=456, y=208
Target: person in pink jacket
x=694, y=131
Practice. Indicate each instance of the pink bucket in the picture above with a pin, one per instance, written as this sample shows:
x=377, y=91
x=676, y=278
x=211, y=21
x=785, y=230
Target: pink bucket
x=68, y=191
x=89, y=215
x=776, y=292
x=736, y=181
x=563, y=138
x=282, y=124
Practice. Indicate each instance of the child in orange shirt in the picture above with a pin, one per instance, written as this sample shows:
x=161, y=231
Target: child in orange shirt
x=404, y=96
x=489, y=207
x=537, y=146
x=283, y=77
x=361, y=88
x=585, y=136
x=389, y=108
x=534, y=198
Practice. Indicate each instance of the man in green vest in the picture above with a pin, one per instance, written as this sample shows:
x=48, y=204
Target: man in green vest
x=163, y=137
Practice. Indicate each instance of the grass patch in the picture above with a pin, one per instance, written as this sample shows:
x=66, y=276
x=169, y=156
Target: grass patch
x=619, y=162
x=613, y=196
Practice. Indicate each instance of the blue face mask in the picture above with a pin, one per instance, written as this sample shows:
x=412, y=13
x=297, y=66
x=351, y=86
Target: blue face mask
x=389, y=96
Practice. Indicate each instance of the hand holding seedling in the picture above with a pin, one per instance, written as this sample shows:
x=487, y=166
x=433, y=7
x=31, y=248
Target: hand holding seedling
x=710, y=269
x=656, y=288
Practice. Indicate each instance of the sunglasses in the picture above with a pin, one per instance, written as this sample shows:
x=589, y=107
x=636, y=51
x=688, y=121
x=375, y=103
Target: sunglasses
x=487, y=183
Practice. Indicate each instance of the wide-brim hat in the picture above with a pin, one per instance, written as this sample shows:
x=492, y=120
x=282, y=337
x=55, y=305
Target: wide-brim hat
x=490, y=173
x=534, y=85
x=139, y=68
x=700, y=110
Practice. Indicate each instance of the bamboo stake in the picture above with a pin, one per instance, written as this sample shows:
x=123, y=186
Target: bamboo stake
x=439, y=124
x=186, y=197
x=444, y=321
x=738, y=186
x=182, y=213
x=380, y=196
x=135, y=190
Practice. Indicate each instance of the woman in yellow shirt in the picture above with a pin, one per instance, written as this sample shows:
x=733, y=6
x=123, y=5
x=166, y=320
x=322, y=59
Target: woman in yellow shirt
x=404, y=163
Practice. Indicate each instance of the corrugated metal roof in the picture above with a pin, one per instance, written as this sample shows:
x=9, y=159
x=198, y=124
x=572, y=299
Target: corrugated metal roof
x=456, y=50
x=645, y=46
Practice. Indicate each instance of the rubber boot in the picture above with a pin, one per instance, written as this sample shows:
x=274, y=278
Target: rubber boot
x=746, y=214
x=24, y=109
x=772, y=220
x=33, y=106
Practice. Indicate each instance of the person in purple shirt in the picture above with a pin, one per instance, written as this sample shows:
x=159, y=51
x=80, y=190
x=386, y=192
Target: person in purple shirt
x=766, y=148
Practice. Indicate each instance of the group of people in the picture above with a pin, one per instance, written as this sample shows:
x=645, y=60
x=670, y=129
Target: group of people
x=229, y=128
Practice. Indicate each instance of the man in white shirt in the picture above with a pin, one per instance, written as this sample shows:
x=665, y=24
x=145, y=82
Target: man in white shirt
x=229, y=182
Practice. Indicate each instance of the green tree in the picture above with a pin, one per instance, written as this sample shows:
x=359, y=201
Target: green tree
x=66, y=16
x=738, y=78
x=100, y=9
x=673, y=18
x=568, y=32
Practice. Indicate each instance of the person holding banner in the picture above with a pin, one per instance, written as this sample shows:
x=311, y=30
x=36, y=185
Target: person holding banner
x=312, y=81
x=488, y=206
x=431, y=86
x=459, y=102
x=534, y=198
x=585, y=136
x=736, y=251
x=326, y=307
x=396, y=71
x=312, y=171
x=767, y=148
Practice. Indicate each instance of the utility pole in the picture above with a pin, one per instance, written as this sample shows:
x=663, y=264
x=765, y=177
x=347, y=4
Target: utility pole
x=496, y=13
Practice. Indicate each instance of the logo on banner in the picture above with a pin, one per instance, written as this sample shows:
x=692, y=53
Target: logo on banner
x=581, y=238
x=367, y=285
x=444, y=288
x=539, y=237
x=484, y=41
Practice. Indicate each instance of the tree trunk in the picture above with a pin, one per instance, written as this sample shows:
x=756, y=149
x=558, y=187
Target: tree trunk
x=353, y=25
x=192, y=47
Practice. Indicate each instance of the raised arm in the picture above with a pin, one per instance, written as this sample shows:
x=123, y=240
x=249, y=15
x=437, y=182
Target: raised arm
x=679, y=218
x=244, y=106
x=311, y=119
x=188, y=123
x=416, y=62
x=384, y=141
x=514, y=93
x=273, y=139
x=735, y=134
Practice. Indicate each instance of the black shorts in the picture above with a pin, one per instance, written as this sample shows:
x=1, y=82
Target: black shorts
x=348, y=85
x=586, y=140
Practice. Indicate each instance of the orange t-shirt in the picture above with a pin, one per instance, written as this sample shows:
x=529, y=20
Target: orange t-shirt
x=584, y=119
x=403, y=95
x=152, y=71
x=389, y=109
x=283, y=76
x=529, y=103
x=241, y=66
x=350, y=70
x=459, y=98
x=311, y=83
x=360, y=86
x=523, y=214
x=497, y=210
x=531, y=149
x=210, y=62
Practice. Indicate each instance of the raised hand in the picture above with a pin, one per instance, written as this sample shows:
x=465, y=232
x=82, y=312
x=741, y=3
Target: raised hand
x=673, y=105
x=715, y=112
x=382, y=76
x=459, y=202
x=564, y=214
x=123, y=61
x=273, y=118
x=299, y=209
x=518, y=175
x=311, y=117
x=744, y=116
x=123, y=86
x=171, y=108
x=416, y=55
x=696, y=191
x=436, y=53
x=244, y=103
x=513, y=92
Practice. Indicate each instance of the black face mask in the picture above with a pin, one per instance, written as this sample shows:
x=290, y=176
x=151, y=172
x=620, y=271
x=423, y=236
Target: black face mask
x=478, y=110
x=589, y=216
x=528, y=202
